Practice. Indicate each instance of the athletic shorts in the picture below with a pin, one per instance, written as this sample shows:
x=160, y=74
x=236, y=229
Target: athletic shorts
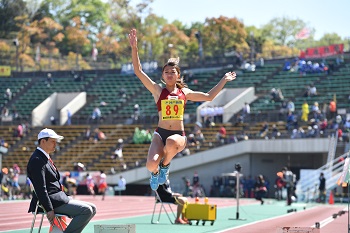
x=164, y=133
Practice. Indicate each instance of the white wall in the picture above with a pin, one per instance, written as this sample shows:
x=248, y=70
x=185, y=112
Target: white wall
x=56, y=105
x=265, y=157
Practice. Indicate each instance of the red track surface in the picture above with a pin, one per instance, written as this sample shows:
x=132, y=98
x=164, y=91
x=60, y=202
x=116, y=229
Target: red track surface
x=13, y=214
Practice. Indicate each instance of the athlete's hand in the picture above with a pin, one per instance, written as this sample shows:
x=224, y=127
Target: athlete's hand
x=133, y=38
x=229, y=76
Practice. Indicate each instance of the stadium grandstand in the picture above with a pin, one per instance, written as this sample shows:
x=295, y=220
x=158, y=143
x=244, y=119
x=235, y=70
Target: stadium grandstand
x=261, y=141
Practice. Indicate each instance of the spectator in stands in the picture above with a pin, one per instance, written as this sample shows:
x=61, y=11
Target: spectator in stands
x=312, y=131
x=199, y=136
x=324, y=109
x=332, y=109
x=20, y=131
x=78, y=78
x=49, y=80
x=141, y=136
x=99, y=135
x=209, y=122
x=87, y=134
x=273, y=94
x=167, y=195
x=264, y=130
x=15, y=113
x=197, y=126
x=275, y=132
x=307, y=91
x=232, y=138
x=338, y=124
x=169, y=138
x=221, y=135
x=323, y=124
x=347, y=125
x=292, y=122
x=53, y=120
x=248, y=66
x=118, y=153
x=186, y=151
x=69, y=117
x=242, y=136
x=276, y=95
x=8, y=94
x=5, y=112
x=246, y=111
x=192, y=141
x=287, y=66
x=283, y=110
x=315, y=110
x=305, y=112
x=290, y=106
x=3, y=143
x=96, y=114
x=260, y=63
x=313, y=90
x=298, y=133
x=136, y=113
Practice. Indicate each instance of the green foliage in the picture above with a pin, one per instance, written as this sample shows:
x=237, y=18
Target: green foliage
x=9, y=10
x=283, y=30
x=62, y=27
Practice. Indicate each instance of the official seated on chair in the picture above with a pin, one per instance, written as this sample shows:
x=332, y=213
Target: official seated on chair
x=167, y=195
x=45, y=178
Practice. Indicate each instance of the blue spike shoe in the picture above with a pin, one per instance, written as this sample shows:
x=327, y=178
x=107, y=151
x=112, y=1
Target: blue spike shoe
x=163, y=174
x=153, y=181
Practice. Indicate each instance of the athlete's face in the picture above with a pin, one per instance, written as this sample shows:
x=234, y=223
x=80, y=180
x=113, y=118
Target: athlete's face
x=170, y=75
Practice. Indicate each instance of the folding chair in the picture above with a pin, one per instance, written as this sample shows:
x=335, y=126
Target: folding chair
x=43, y=213
x=162, y=206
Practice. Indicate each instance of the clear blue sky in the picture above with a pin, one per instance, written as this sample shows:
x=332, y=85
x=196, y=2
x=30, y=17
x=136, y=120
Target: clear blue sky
x=323, y=15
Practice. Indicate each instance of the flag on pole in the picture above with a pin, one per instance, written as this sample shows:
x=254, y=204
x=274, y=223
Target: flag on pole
x=303, y=34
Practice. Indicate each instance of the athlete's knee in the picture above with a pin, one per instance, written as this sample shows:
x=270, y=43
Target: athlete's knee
x=172, y=143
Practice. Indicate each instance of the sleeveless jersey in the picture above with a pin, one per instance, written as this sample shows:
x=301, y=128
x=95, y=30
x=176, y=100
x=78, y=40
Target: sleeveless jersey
x=172, y=105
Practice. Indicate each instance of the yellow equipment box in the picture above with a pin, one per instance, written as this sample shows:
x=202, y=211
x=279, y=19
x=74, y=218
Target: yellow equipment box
x=204, y=212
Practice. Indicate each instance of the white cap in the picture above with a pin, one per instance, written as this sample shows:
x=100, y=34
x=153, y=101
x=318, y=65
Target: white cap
x=49, y=133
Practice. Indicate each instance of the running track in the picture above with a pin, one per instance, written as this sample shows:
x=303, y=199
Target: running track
x=14, y=216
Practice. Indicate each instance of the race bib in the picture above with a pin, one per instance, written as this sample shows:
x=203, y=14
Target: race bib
x=172, y=109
